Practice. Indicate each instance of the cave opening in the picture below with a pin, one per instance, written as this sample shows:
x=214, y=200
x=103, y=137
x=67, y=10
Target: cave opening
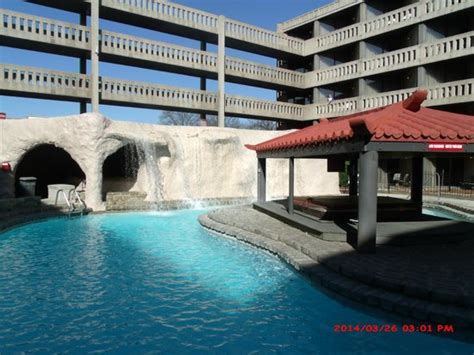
x=49, y=165
x=120, y=170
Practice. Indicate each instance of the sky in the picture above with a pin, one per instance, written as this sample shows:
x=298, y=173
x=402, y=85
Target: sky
x=262, y=13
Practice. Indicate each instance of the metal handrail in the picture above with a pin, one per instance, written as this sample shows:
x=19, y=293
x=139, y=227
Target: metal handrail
x=65, y=198
x=71, y=201
x=78, y=199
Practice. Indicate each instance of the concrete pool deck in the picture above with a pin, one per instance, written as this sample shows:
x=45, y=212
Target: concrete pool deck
x=429, y=282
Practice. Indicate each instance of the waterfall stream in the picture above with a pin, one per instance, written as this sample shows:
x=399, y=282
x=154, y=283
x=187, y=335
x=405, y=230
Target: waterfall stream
x=149, y=158
x=142, y=153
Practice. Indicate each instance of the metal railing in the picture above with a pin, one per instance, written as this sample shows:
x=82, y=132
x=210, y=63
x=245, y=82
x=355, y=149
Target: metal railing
x=74, y=203
x=434, y=184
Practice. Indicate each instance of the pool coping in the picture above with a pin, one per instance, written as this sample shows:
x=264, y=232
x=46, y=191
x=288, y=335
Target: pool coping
x=369, y=295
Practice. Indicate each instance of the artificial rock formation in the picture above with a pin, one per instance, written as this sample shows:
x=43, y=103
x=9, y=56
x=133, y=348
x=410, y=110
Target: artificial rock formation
x=186, y=162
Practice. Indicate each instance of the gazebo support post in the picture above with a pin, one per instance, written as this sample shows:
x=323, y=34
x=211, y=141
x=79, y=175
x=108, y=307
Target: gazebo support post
x=367, y=203
x=261, y=180
x=291, y=192
x=416, y=195
x=353, y=170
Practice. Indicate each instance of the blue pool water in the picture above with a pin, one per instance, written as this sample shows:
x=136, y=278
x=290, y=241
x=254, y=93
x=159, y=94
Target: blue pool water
x=151, y=282
x=443, y=213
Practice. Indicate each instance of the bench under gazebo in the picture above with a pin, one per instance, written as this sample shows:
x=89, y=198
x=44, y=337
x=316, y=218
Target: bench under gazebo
x=401, y=130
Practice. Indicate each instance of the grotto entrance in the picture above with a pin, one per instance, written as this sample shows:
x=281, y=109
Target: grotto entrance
x=120, y=170
x=50, y=165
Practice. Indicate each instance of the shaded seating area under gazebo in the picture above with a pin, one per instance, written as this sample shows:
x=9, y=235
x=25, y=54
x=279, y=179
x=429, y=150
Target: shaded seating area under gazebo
x=401, y=130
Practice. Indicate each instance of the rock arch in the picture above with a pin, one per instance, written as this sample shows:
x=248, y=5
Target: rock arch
x=50, y=164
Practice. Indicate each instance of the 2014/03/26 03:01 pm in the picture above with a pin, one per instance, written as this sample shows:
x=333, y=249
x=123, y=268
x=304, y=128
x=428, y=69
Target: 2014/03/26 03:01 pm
x=393, y=328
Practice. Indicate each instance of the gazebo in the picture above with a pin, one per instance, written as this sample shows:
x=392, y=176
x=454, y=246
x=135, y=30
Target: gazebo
x=403, y=129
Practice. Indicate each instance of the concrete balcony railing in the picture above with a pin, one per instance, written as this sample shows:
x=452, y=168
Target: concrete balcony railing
x=130, y=93
x=450, y=46
x=260, y=72
x=389, y=21
x=168, y=11
x=313, y=15
x=26, y=27
x=438, y=94
x=184, y=16
x=37, y=82
x=154, y=51
x=256, y=35
x=42, y=82
x=188, y=59
x=22, y=29
x=442, y=49
x=250, y=107
x=51, y=84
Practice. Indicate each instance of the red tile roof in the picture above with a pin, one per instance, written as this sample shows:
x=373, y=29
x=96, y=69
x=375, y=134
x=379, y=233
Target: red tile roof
x=404, y=121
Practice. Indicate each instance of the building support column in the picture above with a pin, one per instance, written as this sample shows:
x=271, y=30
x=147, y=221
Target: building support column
x=262, y=180
x=421, y=80
x=203, y=86
x=362, y=88
x=353, y=171
x=95, y=55
x=367, y=204
x=416, y=195
x=291, y=185
x=221, y=72
x=83, y=62
x=317, y=97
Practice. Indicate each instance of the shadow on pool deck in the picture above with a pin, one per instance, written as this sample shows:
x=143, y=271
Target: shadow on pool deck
x=410, y=228
x=17, y=211
x=429, y=281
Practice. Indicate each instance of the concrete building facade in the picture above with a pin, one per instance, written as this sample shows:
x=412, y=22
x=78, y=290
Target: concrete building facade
x=363, y=54
x=342, y=58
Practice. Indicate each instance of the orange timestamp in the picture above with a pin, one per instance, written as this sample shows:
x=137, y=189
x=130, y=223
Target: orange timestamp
x=393, y=328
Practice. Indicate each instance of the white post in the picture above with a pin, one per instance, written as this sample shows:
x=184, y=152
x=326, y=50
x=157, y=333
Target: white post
x=95, y=55
x=221, y=72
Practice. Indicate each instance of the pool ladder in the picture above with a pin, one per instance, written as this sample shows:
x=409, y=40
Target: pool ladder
x=73, y=201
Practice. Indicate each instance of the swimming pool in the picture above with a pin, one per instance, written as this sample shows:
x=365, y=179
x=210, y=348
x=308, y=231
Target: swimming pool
x=444, y=213
x=147, y=282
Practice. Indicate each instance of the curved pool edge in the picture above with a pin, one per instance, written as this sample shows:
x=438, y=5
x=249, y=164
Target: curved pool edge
x=421, y=310
x=25, y=219
x=457, y=210
x=19, y=218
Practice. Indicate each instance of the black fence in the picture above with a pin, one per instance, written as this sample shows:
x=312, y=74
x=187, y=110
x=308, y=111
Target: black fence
x=434, y=184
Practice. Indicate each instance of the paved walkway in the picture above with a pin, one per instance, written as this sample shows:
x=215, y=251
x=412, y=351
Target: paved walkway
x=428, y=282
